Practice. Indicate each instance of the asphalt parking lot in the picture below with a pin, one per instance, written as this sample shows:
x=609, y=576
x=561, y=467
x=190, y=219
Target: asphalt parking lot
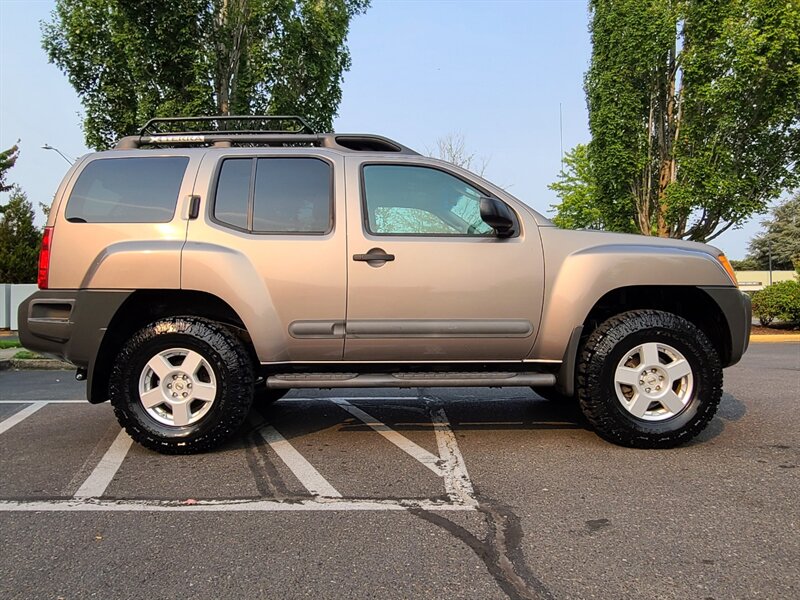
x=426, y=493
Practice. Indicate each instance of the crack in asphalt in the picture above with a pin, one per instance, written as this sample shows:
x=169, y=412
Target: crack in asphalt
x=500, y=551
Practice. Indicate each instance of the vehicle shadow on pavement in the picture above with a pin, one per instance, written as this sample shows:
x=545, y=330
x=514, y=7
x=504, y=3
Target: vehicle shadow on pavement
x=730, y=410
x=296, y=418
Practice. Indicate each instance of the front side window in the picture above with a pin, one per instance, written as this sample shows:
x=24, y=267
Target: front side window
x=275, y=195
x=410, y=200
x=127, y=190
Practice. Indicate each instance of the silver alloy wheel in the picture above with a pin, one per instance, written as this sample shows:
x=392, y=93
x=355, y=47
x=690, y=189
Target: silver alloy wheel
x=177, y=387
x=654, y=381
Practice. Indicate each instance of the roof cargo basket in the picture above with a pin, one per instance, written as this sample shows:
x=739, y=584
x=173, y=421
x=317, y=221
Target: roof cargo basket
x=228, y=124
x=250, y=130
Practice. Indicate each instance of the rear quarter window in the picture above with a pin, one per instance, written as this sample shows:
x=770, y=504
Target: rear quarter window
x=127, y=190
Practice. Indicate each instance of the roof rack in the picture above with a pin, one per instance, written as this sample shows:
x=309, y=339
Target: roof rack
x=213, y=124
x=237, y=130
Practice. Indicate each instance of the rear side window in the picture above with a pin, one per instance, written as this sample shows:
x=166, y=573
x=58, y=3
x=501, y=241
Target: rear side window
x=275, y=195
x=127, y=190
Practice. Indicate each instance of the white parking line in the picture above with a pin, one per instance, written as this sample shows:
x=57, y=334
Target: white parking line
x=406, y=445
x=305, y=472
x=20, y=416
x=97, y=482
x=317, y=504
x=44, y=402
x=456, y=479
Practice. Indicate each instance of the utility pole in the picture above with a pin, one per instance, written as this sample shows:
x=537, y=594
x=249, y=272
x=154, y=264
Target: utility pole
x=769, y=252
x=561, y=134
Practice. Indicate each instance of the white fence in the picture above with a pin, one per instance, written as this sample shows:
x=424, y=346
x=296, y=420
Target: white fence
x=11, y=296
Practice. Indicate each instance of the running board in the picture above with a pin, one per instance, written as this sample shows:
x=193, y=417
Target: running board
x=408, y=380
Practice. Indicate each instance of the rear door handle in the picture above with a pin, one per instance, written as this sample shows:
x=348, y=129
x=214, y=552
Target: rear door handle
x=376, y=254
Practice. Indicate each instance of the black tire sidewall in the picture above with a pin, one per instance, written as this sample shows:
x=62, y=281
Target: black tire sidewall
x=133, y=371
x=615, y=338
x=225, y=356
x=677, y=340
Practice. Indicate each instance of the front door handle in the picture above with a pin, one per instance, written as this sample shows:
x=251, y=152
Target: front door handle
x=375, y=254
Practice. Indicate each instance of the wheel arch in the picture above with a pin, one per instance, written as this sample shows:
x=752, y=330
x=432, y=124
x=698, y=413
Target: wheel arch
x=689, y=302
x=145, y=306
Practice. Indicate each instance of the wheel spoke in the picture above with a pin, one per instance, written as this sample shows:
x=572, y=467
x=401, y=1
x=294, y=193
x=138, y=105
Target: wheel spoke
x=627, y=376
x=191, y=363
x=673, y=403
x=160, y=366
x=152, y=397
x=639, y=405
x=180, y=413
x=678, y=369
x=204, y=391
x=650, y=354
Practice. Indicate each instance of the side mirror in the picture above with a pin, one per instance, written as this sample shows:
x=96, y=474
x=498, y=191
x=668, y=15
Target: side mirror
x=498, y=216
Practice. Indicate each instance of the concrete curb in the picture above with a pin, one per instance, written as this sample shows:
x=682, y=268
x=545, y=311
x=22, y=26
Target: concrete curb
x=40, y=364
x=772, y=338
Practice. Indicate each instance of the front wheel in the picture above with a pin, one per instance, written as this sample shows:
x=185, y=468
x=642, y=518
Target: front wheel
x=649, y=379
x=182, y=385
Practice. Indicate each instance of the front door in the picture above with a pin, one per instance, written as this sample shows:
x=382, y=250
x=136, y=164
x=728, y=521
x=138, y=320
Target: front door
x=428, y=280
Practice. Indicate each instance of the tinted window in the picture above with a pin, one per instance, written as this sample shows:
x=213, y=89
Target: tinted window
x=233, y=190
x=127, y=190
x=407, y=200
x=292, y=195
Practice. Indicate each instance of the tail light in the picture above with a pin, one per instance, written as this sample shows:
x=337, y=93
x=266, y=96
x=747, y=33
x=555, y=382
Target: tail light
x=44, y=258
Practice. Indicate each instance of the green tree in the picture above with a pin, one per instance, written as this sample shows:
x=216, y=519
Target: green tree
x=7, y=160
x=694, y=109
x=781, y=237
x=19, y=240
x=130, y=61
x=577, y=190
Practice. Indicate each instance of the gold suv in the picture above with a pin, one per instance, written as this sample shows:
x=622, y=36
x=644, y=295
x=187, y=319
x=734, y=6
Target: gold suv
x=209, y=261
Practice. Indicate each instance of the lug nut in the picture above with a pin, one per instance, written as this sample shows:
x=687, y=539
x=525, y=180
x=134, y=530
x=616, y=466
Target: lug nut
x=647, y=390
x=189, y=385
x=185, y=394
x=174, y=394
x=658, y=388
x=641, y=381
x=661, y=378
x=652, y=370
x=169, y=386
x=174, y=377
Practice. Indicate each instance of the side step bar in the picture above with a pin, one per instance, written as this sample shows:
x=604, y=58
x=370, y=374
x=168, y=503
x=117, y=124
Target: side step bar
x=408, y=380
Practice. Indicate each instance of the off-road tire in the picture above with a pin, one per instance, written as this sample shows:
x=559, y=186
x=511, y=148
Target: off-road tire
x=223, y=351
x=601, y=354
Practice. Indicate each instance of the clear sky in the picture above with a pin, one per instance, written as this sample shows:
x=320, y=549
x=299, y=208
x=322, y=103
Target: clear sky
x=494, y=71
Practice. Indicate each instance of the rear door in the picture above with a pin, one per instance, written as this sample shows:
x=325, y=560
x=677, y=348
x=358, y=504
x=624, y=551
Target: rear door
x=428, y=280
x=271, y=243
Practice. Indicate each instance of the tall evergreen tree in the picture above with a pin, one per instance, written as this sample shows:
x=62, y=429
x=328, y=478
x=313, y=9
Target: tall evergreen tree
x=780, y=238
x=19, y=240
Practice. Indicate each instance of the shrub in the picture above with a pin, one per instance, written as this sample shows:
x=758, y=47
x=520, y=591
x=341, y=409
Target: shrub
x=778, y=301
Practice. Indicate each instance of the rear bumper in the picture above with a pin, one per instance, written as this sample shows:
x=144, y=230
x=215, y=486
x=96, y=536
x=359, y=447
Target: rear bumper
x=68, y=324
x=735, y=305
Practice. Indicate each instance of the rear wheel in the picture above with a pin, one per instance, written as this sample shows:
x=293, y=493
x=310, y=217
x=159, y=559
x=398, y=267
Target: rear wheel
x=649, y=379
x=182, y=385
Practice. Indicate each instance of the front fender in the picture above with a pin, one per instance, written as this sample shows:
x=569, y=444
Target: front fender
x=577, y=277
